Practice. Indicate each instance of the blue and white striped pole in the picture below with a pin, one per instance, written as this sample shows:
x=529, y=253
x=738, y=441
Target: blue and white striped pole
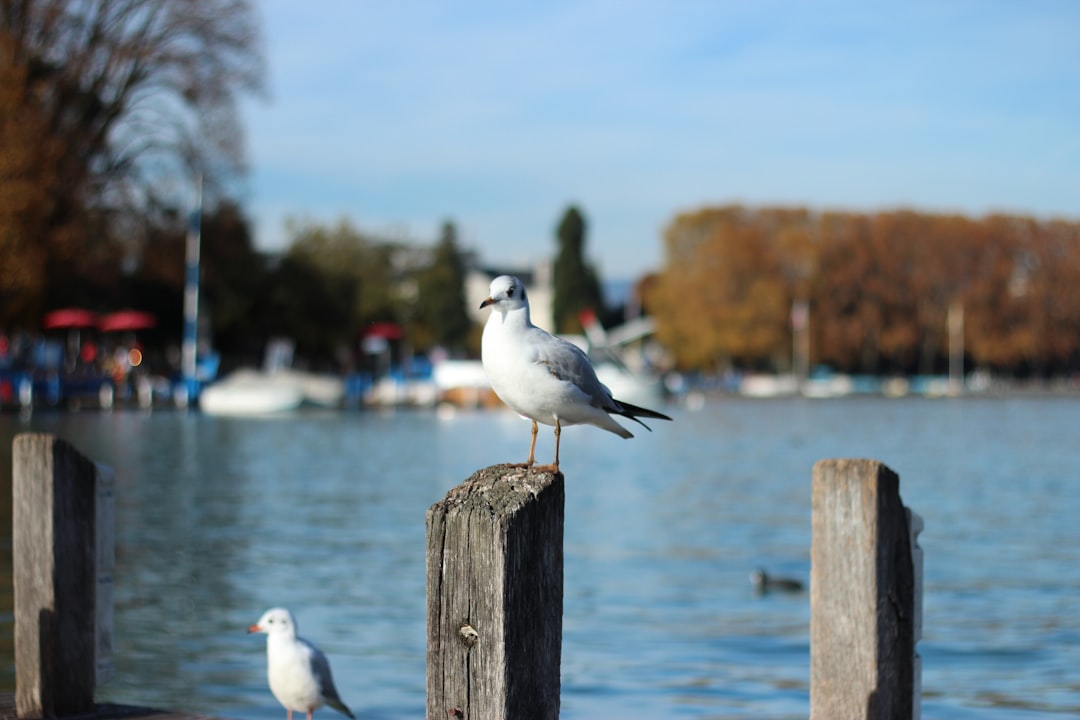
x=189, y=348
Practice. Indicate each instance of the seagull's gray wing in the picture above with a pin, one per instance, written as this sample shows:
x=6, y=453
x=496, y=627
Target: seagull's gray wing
x=569, y=363
x=320, y=668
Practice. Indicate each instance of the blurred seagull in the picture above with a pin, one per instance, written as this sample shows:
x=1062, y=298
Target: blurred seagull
x=298, y=671
x=544, y=378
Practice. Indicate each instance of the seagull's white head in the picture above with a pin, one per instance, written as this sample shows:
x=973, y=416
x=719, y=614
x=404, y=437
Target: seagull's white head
x=275, y=621
x=507, y=293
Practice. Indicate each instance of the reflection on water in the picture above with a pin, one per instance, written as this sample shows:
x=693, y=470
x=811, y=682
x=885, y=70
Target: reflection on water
x=220, y=518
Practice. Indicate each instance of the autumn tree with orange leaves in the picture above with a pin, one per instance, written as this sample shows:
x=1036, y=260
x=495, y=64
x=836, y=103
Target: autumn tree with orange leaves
x=879, y=287
x=109, y=110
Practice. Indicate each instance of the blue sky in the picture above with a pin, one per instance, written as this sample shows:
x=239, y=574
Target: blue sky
x=499, y=115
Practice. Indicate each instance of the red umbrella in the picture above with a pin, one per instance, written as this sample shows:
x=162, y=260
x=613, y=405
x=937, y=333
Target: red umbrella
x=384, y=330
x=69, y=318
x=127, y=320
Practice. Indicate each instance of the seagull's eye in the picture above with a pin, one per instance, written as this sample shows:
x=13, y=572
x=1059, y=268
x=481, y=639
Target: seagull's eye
x=510, y=291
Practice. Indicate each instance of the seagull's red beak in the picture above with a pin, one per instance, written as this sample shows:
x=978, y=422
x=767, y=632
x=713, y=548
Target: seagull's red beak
x=254, y=628
x=487, y=301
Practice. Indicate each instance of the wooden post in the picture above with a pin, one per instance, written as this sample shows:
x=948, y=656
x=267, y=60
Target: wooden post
x=915, y=527
x=105, y=563
x=495, y=596
x=53, y=548
x=863, y=620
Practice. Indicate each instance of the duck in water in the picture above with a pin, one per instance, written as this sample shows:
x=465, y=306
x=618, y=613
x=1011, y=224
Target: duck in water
x=765, y=583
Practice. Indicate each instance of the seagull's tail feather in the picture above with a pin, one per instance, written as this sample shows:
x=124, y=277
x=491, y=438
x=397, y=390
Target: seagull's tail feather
x=634, y=412
x=339, y=706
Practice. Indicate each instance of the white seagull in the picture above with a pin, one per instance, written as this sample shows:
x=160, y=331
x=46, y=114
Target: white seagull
x=544, y=378
x=298, y=671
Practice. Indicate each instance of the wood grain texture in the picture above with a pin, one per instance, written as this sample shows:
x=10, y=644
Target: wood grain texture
x=53, y=549
x=495, y=596
x=862, y=594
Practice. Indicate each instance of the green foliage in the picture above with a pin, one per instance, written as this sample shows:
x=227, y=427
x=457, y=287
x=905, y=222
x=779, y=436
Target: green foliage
x=576, y=285
x=234, y=276
x=441, y=317
x=310, y=306
x=332, y=282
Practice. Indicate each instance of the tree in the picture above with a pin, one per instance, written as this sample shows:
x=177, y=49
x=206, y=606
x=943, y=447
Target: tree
x=233, y=275
x=723, y=299
x=880, y=287
x=310, y=306
x=109, y=110
x=576, y=285
x=331, y=284
x=846, y=315
x=26, y=160
x=442, y=318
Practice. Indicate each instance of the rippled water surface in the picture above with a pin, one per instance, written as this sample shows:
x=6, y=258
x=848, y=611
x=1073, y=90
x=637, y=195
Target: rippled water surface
x=218, y=519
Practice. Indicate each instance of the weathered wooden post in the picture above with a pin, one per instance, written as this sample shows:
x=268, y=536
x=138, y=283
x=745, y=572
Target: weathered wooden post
x=865, y=595
x=495, y=597
x=55, y=540
x=105, y=564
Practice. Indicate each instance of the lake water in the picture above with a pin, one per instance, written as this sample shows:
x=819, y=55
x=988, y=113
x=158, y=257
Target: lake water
x=219, y=519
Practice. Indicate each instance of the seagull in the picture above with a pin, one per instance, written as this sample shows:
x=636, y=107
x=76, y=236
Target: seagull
x=542, y=377
x=298, y=671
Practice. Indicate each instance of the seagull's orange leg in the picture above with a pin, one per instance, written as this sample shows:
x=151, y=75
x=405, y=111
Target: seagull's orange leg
x=558, y=434
x=554, y=467
x=532, y=446
x=532, y=450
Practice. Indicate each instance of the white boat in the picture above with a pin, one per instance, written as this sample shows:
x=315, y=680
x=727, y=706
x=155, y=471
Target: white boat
x=463, y=383
x=767, y=386
x=252, y=392
x=315, y=389
x=249, y=392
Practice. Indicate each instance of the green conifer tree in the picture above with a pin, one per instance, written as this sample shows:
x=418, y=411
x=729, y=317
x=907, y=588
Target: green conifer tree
x=442, y=293
x=576, y=285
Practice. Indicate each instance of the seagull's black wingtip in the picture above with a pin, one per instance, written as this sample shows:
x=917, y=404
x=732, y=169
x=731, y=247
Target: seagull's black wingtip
x=634, y=412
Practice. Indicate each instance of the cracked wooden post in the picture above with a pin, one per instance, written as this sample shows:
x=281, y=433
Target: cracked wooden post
x=495, y=597
x=59, y=636
x=865, y=595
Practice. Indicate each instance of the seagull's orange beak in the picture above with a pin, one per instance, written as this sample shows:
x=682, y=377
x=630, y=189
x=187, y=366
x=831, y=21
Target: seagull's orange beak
x=253, y=629
x=487, y=301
